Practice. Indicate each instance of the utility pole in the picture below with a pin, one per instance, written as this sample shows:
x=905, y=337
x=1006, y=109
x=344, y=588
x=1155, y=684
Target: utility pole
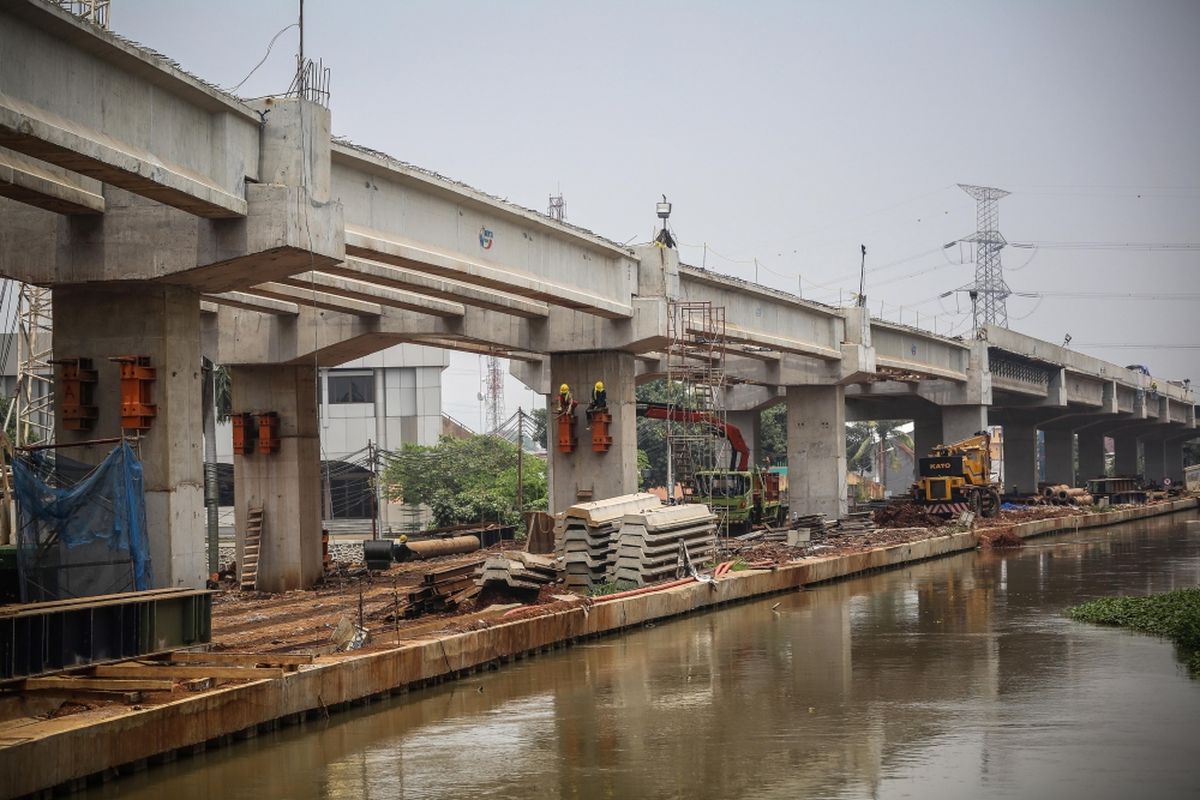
x=520, y=460
x=862, y=280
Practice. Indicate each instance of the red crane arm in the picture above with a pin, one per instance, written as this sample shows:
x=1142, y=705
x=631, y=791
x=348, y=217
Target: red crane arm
x=739, y=460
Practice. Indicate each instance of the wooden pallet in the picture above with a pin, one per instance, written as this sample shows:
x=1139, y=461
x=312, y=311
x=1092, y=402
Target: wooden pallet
x=250, y=551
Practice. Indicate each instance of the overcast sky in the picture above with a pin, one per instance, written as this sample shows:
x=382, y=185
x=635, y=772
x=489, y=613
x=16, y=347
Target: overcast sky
x=789, y=133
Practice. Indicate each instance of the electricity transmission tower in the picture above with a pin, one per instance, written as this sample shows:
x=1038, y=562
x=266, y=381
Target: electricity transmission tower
x=992, y=291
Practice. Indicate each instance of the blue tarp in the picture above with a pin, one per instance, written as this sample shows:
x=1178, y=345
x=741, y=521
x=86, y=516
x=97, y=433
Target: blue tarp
x=85, y=539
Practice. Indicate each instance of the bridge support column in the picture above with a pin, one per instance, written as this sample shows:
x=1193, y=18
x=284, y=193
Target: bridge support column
x=163, y=323
x=584, y=474
x=1091, y=456
x=1020, y=458
x=1153, y=451
x=1126, y=455
x=1173, y=460
x=927, y=433
x=750, y=424
x=1060, y=456
x=816, y=443
x=962, y=422
x=285, y=484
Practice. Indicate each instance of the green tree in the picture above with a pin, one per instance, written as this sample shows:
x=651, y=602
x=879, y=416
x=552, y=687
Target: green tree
x=871, y=440
x=772, y=428
x=538, y=416
x=465, y=480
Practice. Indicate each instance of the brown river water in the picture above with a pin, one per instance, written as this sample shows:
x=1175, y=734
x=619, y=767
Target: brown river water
x=954, y=678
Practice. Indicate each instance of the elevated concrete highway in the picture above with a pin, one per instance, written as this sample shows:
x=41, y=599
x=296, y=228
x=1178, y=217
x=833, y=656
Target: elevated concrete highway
x=173, y=219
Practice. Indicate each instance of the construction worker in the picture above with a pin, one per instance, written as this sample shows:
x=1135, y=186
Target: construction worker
x=599, y=400
x=566, y=403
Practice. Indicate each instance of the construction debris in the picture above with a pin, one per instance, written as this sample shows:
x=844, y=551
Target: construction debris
x=653, y=543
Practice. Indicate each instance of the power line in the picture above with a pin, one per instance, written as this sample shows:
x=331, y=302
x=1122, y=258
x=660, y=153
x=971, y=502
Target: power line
x=1142, y=246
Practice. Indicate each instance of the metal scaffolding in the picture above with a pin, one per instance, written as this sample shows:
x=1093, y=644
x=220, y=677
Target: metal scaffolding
x=35, y=372
x=695, y=382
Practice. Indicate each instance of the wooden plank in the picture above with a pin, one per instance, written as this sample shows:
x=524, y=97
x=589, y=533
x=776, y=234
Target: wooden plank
x=129, y=698
x=240, y=659
x=184, y=671
x=101, y=684
x=77, y=603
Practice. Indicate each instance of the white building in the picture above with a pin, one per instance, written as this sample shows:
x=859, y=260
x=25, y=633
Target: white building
x=388, y=399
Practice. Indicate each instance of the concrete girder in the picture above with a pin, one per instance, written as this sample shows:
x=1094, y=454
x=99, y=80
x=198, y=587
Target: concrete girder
x=249, y=302
x=140, y=240
x=316, y=299
x=375, y=246
x=911, y=351
x=196, y=155
x=45, y=186
x=433, y=286
x=56, y=140
x=370, y=293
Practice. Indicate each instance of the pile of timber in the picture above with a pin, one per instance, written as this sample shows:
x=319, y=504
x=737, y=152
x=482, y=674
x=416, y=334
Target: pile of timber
x=650, y=543
x=586, y=537
x=1063, y=495
x=443, y=590
x=817, y=524
x=517, y=570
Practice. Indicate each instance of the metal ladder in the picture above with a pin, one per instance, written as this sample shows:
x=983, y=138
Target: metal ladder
x=250, y=550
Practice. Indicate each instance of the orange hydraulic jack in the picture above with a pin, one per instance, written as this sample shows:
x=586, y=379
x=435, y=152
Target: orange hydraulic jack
x=244, y=433
x=601, y=441
x=76, y=380
x=268, y=432
x=566, y=431
x=136, y=378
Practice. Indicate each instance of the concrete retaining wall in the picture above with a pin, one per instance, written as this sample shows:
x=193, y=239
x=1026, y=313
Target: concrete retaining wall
x=68, y=751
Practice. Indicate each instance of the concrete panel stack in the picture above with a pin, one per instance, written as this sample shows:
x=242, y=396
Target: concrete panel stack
x=586, y=536
x=648, y=544
x=517, y=570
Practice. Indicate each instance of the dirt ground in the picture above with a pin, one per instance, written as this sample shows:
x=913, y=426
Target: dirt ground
x=303, y=621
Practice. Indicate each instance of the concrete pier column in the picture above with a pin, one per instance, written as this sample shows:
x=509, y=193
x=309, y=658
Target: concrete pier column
x=1126, y=453
x=1020, y=458
x=962, y=422
x=927, y=433
x=584, y=474
x=1173, y=460
x=286, y=484
x=1153, y=451
x=1091, y=456
x=816, y=443
x=1060, y=456
x=750, y=425
x=163, y=323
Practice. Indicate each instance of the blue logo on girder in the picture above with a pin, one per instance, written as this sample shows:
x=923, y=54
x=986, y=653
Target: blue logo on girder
x=485, y=238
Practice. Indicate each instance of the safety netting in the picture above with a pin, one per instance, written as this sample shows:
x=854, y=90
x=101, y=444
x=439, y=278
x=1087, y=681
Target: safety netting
x=81, y=531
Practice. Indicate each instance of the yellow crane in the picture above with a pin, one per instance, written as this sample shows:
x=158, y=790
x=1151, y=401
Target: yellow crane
x=958, y=477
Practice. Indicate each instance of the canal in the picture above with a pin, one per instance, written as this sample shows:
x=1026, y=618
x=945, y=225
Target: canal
x=952, y=678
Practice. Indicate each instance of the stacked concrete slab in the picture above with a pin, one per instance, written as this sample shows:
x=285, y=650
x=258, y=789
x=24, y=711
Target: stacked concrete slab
x=517, y=570
x=586, y=536
x=648, y=546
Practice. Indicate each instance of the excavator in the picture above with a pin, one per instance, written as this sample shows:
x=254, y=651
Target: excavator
x=740, y=495
x=957, y=477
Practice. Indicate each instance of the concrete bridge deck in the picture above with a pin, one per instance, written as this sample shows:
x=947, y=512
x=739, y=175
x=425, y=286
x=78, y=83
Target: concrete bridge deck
x=173, y=219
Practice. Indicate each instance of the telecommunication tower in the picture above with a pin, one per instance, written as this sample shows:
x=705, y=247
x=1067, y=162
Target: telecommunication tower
x=94, y=11
x=557, y=209
x=992, y=291
x=495, y=394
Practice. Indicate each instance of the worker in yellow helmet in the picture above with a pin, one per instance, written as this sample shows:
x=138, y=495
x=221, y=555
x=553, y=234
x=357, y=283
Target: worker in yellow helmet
x=599, y=400
x=566, y=403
